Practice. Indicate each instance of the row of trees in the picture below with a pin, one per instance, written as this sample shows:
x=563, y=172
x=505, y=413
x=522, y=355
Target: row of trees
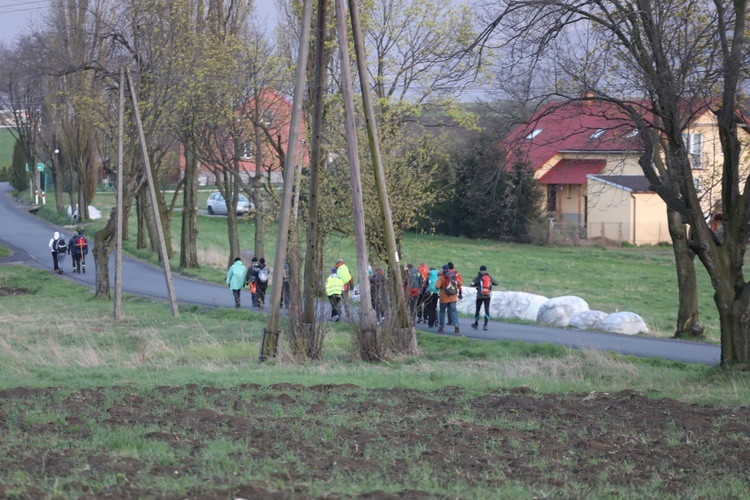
x=213, y=88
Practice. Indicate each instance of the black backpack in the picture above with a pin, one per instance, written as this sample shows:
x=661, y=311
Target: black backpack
x=61, y=246
x=450, y=286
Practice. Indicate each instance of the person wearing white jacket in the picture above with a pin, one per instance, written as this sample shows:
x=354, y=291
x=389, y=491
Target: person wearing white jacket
x=53, y=248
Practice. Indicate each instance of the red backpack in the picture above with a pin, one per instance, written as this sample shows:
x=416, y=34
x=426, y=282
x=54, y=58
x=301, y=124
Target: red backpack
x=486, y=283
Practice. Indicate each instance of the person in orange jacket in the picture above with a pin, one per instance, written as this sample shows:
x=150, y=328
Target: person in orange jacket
x=449, y=284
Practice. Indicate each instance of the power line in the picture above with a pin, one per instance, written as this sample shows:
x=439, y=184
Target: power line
x=21, y=10
x=22, y=3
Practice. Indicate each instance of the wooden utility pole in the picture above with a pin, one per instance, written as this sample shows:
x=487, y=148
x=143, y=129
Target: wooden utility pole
x=370, y=347
x=406, y=338
x=312, y=256
x=118, y=229
x=154, y=203
x=270, y=340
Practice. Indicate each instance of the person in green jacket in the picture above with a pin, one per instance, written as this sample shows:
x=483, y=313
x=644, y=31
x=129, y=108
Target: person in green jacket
x=236, y=279
x=334, y=289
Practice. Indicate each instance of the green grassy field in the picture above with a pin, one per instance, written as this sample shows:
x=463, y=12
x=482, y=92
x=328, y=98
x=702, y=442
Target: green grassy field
x=7, y=142
x=153, y=406
x=640, y=280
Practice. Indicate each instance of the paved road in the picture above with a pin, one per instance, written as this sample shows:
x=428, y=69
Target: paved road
x=28, y=237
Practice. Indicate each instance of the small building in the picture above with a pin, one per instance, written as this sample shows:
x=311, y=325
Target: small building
x=586, y=153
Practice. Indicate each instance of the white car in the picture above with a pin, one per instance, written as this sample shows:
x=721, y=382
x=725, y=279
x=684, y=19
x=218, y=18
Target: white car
x=216, y=205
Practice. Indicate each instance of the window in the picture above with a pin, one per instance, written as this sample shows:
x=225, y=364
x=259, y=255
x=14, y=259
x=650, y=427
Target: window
x=247, y=150
x=698, y=184
x=535, y=133
x=694, y=146
x=632, y=133
x=552, y=190
x=267, y=118
x=597, y=134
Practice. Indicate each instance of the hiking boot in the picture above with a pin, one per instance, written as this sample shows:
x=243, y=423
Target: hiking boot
x=484, y=328
x=457, y=330
x=440, y=329
x=474, y=325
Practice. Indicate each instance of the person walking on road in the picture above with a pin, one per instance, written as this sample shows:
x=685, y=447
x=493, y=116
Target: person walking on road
x=431, y=302
x=379, y=293
x=236, y=279
x=252, y=281
x=346, y=277
x=449, y=283
x=483, y=282
x=262, y=282
x=79, y=248
x=53, y=246
x=334, y=290
x=62, y=250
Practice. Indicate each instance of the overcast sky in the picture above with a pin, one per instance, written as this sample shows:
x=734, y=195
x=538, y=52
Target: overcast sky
x=17, y=15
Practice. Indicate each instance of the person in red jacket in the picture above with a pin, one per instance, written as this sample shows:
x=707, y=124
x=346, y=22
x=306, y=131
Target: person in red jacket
x=449, y=284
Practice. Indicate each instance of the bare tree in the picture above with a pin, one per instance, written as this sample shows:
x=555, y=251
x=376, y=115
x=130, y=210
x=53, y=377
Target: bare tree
x=684, y=58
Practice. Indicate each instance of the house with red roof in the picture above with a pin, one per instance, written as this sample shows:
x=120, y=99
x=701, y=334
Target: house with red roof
x=585, y=153
x=274, y=111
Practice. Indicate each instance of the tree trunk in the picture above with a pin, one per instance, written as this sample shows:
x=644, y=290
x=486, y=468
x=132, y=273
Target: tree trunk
x=687, y=312
x=234, y=239
x=141, y=209
x=59, y=193
x=734, y=317
x=166, y=220
x=260, y=221
x=104, y=241
x=189, y=234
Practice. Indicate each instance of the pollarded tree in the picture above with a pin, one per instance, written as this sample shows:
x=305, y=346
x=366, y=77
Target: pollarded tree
x=682, y=56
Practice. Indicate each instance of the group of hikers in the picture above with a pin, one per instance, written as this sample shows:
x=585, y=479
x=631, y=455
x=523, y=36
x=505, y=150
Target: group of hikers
x=425, y=289
x=77, y=247
x=255, y=278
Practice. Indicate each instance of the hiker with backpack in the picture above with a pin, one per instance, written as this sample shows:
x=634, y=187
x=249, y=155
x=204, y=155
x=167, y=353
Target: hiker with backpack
x=252, y=281
x=342, y=270
x=431, y=302
x=79, y=248
x=413, y=286
x=483, y=283
x=449, y=283
x=236, y=279
x=262, y=282
x=62, y=250
x=54, y=247
x=424, y=272
x=334, y=291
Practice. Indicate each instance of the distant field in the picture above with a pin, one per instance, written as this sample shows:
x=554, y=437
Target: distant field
x=7, y=141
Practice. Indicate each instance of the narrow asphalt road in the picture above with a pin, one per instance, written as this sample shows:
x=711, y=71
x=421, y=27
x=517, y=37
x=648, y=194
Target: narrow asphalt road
x=28, y=237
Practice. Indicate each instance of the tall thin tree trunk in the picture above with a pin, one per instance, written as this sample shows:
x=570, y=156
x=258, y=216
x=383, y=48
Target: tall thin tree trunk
x=687, y=286
x=189, y=232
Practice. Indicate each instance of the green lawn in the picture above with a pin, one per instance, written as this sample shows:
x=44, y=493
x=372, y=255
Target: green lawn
x=7, y=142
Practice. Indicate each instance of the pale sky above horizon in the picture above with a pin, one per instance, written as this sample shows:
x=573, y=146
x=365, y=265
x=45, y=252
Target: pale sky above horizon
x=17, y=16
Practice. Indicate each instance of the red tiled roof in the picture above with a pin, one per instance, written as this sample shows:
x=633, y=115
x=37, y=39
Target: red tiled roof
x=572, y=171
x=580, y=127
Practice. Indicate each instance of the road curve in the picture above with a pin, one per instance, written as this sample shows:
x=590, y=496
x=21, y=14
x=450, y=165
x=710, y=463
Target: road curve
x=28, y=237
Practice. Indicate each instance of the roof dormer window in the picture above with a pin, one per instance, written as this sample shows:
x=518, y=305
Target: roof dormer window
x=632, y=133
x=535, y=133
x=597, y=134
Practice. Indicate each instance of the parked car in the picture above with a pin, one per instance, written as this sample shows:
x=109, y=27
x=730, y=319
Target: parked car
x=217, y=205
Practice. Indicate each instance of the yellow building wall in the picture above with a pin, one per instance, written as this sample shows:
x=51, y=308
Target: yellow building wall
x=649, y=220
x=609, y=213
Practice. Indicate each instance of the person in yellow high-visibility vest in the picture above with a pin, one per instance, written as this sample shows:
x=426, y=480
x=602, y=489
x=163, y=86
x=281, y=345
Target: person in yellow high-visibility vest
x=334, y=290
x=346, y=278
